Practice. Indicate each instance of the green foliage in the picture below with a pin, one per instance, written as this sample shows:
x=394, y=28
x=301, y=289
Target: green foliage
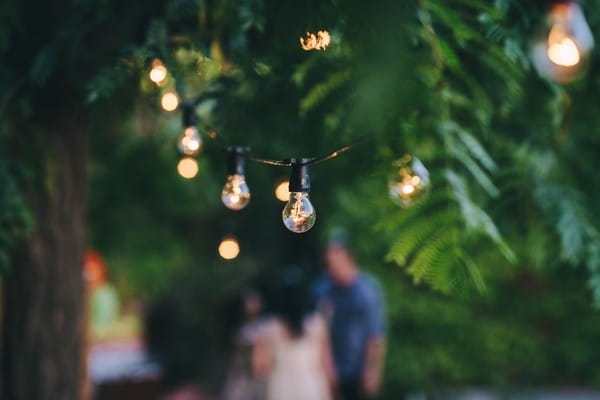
x=513, y=159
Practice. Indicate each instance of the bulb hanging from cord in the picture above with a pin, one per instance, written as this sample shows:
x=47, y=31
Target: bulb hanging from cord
x=299, y=215
x=410, y=182
x=236, y=194
x=190, y=142
x=564, y=45
x=158, y=72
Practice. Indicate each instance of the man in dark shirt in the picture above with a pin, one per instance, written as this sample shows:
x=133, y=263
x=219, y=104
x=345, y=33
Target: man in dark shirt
x=352, y=303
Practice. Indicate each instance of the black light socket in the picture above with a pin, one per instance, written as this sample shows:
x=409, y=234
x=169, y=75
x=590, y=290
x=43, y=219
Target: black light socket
x=299, y=179
x=189, y=115
x=236, y=159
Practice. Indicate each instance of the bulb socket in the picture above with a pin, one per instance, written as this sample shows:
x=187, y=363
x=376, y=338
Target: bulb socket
x=189, y=115
x=299, y=179
x=236, y=159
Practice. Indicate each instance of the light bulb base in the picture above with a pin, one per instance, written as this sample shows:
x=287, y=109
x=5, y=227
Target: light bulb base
x=236, y=159
x=189, y=117
x=299, y=179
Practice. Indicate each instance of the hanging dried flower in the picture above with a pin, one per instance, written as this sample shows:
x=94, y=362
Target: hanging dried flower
x=320, y=41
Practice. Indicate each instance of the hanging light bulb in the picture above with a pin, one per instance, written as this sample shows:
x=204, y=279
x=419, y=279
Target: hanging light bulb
x=236, y=194
x=190, y=142
x=562, y=49
x=169, y=101
x=282, y=192
x=410, y=181
x=299, y=214
x=158, y=72
x=187, y=167
x=229, y=248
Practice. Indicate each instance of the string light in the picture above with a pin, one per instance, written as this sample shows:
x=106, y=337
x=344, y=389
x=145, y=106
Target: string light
x=562, y=49
x=410, y=181
x=229, y=248
x=320, y=41
x=187, y=167
x=190, y=142
x=282, y=192
x=299, y=215
x=169, y=101
x=158, y=72
x=236, y=194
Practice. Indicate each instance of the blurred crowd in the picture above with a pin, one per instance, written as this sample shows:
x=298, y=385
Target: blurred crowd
x=325, y=338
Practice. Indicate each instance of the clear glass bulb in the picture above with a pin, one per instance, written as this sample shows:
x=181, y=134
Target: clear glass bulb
x=235, y=194
x=564, y=44
x=299, y=214
x=190, y=142
x=410, y=181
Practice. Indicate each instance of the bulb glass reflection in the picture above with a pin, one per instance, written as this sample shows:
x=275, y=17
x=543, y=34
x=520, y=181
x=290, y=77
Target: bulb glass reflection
x=561, y=51
x=229, y=248
x=410, y=181
x=235, y=194
x=187, y=167
x=299, y=214
x=190, y=142
x=158, y=73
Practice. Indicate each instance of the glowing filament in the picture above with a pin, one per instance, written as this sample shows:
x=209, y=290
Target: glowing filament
x=320, y=41
x=562, y=50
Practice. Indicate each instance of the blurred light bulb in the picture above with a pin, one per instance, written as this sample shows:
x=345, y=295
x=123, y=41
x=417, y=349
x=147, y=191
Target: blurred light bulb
x=282, y=190
x=190, y=142
x=229, y=248
x=158, y=73
x=169, y=101
x=410, y=181
x=235, y=194
x=187, y=167
x=299, y=214
x=563, y=47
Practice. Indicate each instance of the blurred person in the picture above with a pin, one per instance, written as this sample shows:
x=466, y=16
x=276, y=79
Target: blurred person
x=103, y=297
x=353, y=306
x=293, y=350
x=242, y=383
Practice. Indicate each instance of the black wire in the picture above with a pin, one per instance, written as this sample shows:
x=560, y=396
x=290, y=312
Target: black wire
x=212, y=133
x=266, y=161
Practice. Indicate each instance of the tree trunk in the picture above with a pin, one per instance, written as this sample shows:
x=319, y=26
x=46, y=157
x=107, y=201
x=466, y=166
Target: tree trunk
x=43, y=294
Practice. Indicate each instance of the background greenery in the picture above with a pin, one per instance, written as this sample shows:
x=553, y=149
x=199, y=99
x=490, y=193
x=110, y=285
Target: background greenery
x=490, y=280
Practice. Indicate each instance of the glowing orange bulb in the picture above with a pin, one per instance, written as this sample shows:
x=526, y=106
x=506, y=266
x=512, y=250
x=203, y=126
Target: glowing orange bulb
x=564, y=52
x=187, y=167
x=229, y=248
x=169, y=101
x=408, y=189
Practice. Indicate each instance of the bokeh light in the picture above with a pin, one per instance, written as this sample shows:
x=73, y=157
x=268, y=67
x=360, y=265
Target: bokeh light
x=169, y=101
x=282, y=192
x=158, y=73
x=229, y=248
x=187, y=167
